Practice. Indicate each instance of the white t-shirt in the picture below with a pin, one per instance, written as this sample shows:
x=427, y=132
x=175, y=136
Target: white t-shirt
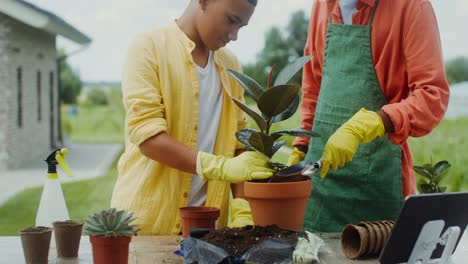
x=209, y=112
x=347, y=7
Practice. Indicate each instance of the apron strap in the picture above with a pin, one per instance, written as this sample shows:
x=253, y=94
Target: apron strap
x=371, y=19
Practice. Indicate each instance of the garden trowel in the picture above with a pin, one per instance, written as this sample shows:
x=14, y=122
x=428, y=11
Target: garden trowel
x=297, y=172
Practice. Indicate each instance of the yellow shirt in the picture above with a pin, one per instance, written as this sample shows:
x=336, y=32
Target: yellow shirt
x=160, y=93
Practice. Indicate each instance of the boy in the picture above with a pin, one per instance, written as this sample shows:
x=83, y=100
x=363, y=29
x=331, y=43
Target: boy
x=176, y=94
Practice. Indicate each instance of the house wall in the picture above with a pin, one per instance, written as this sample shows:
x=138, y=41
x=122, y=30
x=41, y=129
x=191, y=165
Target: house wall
x=5, y=91
x=32, y=50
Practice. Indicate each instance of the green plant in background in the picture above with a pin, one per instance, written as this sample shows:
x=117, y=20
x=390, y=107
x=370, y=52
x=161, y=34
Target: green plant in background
x=433, y=174
x=66, y=125
x=276, y=103
x=109, y=223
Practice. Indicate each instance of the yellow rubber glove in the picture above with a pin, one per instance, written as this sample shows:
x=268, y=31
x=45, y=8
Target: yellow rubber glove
x=363, y=127
x=248, y=166
x=295, y=157
x=240, y=213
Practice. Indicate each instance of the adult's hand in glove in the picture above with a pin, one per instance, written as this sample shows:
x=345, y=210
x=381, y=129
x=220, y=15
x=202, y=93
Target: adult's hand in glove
x=363, y=127
x=240, y=213
x=295, y=156
x=247, y=166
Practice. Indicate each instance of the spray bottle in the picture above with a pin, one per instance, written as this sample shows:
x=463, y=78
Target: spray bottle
x=52, y=206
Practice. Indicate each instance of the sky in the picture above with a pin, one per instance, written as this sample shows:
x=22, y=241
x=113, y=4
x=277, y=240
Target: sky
x=113, y=23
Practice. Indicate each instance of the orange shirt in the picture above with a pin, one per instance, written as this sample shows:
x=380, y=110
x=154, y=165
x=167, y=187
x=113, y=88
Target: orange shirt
x=408, y=63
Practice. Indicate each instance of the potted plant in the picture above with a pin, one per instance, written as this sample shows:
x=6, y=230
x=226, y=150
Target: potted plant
x=274, y=203
x=432, y=176
x=67, y=238
x=110, y=232
x=36, y=243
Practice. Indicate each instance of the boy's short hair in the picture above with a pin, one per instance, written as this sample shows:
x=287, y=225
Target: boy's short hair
x=253, y=2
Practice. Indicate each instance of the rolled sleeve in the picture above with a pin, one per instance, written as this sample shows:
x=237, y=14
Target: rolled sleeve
x=425, y=107
x=142, y=97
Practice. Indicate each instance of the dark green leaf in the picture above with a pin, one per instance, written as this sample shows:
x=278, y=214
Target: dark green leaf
x=442, y=189
x=261, y=123
x=288, y=112
x=441, y=166
x=423, y=172
x=429, y=167
x=289, y=71
x=426, y=188
x=296, y=132
x=261, y=142
x=441, y=170
x=277, y=146
x=250, y=85
x=277, y=99
x=244, y=135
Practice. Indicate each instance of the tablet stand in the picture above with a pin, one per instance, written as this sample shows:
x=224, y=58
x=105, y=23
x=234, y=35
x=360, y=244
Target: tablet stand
x=428, y=239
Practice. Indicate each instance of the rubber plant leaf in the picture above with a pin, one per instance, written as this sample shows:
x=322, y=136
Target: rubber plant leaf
x=277, y=146
x=290, y=70
x=251, y=86
x=296, y=132
x=441, y=170
x=292, y=108
x=423, y=172
x=277, y=99
x=429, y=167
x=256, y=117
x=244, y=135
x=261, y=142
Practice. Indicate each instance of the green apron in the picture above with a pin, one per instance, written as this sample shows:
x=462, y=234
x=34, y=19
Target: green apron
x=369, y=187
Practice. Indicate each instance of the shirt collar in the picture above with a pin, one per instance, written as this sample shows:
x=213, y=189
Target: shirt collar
x=189, y=44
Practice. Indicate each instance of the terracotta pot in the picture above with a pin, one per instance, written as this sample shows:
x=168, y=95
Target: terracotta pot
x=282, y=204
x=110, y=249
x=67, y=238
x=198, y=216
x=36, y=243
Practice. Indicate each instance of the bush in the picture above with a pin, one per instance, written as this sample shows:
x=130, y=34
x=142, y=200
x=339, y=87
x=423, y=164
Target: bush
x=97, y=97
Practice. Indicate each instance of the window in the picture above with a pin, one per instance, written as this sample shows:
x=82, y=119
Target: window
x=19, y=96
x=39, y=98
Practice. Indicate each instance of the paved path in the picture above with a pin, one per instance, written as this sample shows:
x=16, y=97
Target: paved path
x=85, y=160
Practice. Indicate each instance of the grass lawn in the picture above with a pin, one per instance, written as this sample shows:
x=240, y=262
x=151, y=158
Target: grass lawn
x=448, y=142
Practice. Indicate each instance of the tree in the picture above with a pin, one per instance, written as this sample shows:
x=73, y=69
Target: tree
x=97, y=96
x=297, y=32
x=457, y=70
x=70, y=82
x=280, y=49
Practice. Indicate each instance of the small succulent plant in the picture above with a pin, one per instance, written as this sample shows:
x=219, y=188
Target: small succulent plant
x=276, y=103
x=433, y=174
x=110, y=223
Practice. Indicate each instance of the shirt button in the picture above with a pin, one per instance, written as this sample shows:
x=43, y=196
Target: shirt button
x=185, y=194
x=195, y=127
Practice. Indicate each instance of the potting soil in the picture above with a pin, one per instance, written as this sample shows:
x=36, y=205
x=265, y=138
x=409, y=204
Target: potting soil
x=255, y=244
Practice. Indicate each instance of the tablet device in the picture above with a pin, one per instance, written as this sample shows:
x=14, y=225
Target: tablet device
x=415, y=212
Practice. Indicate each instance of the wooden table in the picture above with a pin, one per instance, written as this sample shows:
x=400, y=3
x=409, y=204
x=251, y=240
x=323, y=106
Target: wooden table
x=159, y=249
